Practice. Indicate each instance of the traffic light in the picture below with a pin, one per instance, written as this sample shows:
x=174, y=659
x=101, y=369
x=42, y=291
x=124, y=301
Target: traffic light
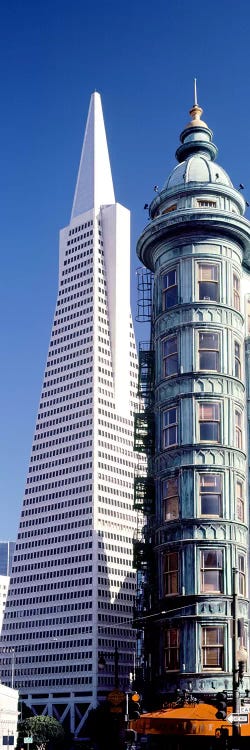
x=221, y=703
x=222, y=734
x=130, y=736
x=134, y=706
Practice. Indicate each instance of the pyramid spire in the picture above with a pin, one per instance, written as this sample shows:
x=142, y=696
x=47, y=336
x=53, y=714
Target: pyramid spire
x=94, y=185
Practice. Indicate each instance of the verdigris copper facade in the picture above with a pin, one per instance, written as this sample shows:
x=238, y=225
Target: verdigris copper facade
x=197, y=245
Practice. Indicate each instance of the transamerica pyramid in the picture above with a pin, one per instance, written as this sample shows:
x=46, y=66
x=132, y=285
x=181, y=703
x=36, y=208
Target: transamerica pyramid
x=73, y=584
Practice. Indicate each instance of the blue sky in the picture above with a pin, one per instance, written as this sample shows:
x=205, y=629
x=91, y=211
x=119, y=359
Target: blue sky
x=142, y=57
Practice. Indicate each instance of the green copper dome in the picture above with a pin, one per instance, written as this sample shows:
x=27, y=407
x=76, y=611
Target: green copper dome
x=197, y=168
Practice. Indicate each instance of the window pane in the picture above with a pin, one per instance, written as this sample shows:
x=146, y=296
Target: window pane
x=208, y=272
x=173, y=561
x=170, y=416
x=209, y=361
x=208, y=290
x=169, y=279
x=172, y=436
x=210, y=505
x=171, y=297
x=209, y=432
x=209, y=411
x=212, y=558
x=208, y=341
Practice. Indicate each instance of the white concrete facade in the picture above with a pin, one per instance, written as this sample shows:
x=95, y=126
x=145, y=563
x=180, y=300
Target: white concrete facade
x=73, y=584
x=8, y=716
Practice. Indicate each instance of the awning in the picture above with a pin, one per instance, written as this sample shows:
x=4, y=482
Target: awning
x=197, y=719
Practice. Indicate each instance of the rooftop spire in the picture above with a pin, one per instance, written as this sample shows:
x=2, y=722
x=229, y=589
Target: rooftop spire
x=196, y=111
x=195, y=93
x=94, y=185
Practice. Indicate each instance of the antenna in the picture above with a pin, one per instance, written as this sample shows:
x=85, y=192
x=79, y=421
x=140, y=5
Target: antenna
x=195, y=92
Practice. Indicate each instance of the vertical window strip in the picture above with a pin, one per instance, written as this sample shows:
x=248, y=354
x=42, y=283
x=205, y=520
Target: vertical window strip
x=208, y=281
x=171, y=573
x=209, y=421
x=170, y=356
x=236, y=291
x=172, y=649
x=209, y=353
x=170, y=289
x=211, y=570
x=170, y=498
x=170, y=427
x=238, y=429
x=240, y=514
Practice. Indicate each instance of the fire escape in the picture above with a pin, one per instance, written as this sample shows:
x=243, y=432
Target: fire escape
x=144, y=487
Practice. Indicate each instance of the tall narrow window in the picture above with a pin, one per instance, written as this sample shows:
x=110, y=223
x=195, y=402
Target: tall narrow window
x=238, y=429
x=172, y=648
x=170, y=498
x=211, y=570
x=242, y=574
x=170, y=356
x=170, y=427
x=209, y=282
x=236, y=291
x=170, y=289
x=248, y=317
x=239, y=501
x=209, y=355
x=212, y=648
x=210, y=494
x=209, y=420
x=170, y=573
x=237, y=359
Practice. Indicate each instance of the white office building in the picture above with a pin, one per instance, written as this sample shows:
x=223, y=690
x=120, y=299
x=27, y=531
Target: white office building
x=73, y=583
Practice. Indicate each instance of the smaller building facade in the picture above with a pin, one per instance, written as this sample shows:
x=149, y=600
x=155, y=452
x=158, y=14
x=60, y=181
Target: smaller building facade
x=6, y=556
x=8, y=717
x=4, y=585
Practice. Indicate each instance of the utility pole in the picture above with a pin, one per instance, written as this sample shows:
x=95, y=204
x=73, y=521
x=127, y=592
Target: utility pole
x=116, y=667
x=236, y=698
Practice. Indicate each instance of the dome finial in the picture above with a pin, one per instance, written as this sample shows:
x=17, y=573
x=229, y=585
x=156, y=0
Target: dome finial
x=196, y=135
x=196, y=111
